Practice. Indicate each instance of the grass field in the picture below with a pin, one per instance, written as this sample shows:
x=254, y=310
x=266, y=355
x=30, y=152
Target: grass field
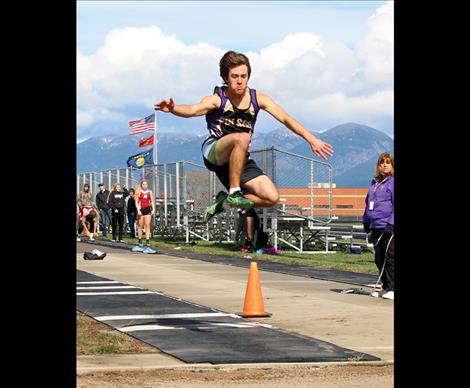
x=363, y=262
x=94, y=337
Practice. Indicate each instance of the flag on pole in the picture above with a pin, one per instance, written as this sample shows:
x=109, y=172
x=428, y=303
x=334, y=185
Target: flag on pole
x=139, y=160
x=146, y=141
x=142, y=125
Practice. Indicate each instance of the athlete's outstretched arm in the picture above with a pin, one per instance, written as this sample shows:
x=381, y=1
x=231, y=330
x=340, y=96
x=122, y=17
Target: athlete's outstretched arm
x=207, y=104
x=319, y=147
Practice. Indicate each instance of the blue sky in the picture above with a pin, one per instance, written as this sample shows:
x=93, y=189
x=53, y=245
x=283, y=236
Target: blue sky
x=140, y=49
x=193, y=21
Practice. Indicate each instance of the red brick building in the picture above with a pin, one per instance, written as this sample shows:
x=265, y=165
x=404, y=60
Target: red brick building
x=346, y=202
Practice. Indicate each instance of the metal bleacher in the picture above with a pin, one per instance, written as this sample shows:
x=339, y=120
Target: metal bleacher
x=184, y=189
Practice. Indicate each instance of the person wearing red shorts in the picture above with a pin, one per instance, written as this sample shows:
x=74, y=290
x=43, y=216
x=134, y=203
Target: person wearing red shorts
x=145, y=204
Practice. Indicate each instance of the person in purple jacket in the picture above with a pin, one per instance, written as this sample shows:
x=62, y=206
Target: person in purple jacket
x=231, y=113
x=378, y=221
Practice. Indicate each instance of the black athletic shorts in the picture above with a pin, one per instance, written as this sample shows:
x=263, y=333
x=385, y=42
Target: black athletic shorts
x=146, y=210
x=250, y=171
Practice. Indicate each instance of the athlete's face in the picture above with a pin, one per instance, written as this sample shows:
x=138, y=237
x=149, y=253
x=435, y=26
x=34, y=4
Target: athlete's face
x=237, y=79
x=145, y=185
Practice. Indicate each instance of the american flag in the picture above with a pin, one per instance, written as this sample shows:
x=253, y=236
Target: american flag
x=142, y=125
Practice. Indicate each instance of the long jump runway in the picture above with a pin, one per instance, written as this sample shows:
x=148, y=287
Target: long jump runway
x=195, y=333
x=315, y=272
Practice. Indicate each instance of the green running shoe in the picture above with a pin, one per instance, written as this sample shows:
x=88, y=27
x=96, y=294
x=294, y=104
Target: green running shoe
x=238, y=200
x=216, y=207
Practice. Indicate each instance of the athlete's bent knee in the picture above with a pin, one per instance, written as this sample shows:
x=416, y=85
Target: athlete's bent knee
x=243, y=140
x=273, y=198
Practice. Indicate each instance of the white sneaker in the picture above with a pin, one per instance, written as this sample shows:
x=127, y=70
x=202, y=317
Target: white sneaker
x=389, y=295
x=378, y=294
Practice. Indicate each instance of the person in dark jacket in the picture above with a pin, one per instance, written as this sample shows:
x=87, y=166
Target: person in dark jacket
x=117, y=203
x=378, y=221
x=103, y=207
x=131, y=212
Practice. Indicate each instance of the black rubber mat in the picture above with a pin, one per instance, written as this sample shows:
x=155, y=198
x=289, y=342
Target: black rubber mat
x=356, y=278
x=195, y=333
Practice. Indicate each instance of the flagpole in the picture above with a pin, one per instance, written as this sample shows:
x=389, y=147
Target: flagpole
x=155, y=160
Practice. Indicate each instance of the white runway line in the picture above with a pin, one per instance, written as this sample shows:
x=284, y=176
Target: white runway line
x=104, y=287
x=162, y=316
x=115, y=293
x=208, y=325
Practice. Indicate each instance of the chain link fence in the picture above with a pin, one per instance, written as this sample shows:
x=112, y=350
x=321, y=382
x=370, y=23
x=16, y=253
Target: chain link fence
x=184, y=189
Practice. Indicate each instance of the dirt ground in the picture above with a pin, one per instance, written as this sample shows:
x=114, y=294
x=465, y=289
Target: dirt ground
x=342, y=376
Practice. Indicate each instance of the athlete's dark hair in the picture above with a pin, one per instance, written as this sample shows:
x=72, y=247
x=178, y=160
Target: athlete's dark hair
x=230, y=60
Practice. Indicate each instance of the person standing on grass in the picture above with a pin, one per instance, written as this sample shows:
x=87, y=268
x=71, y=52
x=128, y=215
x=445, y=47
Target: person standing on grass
x=117, y=203
x=84, y=197
x=145, y=204
x=131, y=212
x=378, y=222
x=103, y=208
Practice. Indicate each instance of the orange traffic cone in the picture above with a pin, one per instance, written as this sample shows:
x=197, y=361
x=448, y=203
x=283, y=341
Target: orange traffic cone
x=254, y=306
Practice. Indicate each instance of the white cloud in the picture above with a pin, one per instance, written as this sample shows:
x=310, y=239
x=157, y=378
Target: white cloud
x=85, y=119
x=331, y=109
x=279, y=55
x=317, y=80
x=138, y=65
x=337, y=106
x=376, y=50
x=88, y=117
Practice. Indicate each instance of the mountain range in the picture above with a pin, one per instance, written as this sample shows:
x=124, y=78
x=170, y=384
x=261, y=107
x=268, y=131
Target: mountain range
x=356, y=148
